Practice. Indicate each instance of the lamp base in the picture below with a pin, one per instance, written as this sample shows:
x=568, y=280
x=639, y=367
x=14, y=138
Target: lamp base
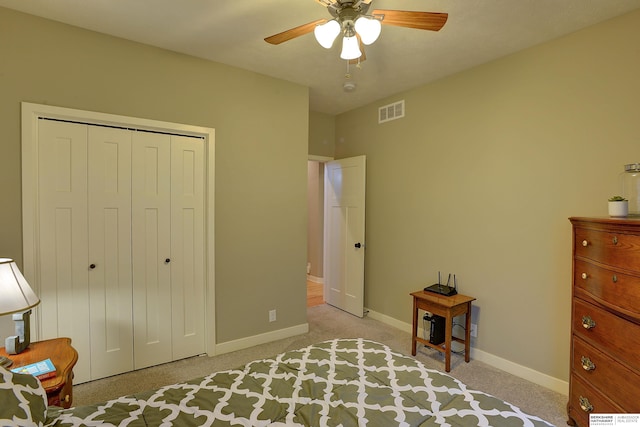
x=20, y=341
x=5, y=362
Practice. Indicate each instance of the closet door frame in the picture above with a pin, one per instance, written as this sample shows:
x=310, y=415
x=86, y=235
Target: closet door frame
x=31, y=115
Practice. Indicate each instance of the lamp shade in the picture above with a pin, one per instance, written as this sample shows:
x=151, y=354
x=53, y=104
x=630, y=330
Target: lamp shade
x=15, y=293
x=350, y=48
x=369, y=29
x=326, y=33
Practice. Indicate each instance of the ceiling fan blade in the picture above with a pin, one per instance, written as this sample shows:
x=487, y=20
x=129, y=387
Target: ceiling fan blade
x=294, y=32
x=420, y=20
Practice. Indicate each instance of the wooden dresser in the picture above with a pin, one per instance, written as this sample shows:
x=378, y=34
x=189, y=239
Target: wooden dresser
x=605, y=318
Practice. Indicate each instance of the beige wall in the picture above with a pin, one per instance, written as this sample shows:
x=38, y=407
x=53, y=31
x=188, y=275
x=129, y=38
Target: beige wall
x=480, y=176
x=322, y=129
x=261, y=151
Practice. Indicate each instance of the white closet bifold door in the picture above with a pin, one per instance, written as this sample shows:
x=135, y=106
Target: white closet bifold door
x=63, y=264
x=187, y=246
x=151, y=214
x=121, y=245
x=110, y=268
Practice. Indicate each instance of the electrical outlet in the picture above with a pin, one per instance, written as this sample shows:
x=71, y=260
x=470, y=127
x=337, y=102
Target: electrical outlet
x=474, y=330
x=272, y=315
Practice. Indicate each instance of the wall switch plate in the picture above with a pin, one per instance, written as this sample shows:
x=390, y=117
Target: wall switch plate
x=272, y=315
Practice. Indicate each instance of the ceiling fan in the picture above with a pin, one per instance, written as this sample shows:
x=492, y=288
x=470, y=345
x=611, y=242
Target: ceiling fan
x=351, y=18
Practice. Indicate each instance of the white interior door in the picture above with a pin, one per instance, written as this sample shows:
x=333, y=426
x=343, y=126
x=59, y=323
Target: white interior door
x=344, y=245
x=110, y=271
x=63, y=245
x=151, y=248
x=187, y=246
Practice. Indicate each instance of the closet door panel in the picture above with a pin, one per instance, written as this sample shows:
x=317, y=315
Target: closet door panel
x=63, y=244
x=151, y=216
x=187, y=245
x=110, y=271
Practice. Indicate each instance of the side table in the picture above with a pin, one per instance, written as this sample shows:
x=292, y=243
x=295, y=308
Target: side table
x=447, y=307
x=59, y=388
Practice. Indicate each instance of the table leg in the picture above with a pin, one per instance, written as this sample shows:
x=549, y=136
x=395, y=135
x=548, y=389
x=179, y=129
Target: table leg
x=447, y=342
x=415, y=327
x=467, y=334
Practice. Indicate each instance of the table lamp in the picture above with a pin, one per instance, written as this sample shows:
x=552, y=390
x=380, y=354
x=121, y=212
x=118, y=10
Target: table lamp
x=17, y=298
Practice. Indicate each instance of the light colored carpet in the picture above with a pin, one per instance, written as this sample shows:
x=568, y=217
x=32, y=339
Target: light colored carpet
x=326, y=322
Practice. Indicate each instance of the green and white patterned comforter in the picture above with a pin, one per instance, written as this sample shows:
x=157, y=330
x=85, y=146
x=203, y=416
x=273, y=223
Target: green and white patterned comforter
x=343, y=382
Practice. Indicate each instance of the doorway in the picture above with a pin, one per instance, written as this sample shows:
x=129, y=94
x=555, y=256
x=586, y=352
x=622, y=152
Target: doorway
x=336, y=230
x=315, y=230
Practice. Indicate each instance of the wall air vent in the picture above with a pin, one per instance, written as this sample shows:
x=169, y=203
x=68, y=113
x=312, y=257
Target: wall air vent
x=391, y=112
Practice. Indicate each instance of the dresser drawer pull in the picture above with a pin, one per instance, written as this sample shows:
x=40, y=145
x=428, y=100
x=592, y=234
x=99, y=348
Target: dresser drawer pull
x=587, y=364
x=585, y=243
x=588, y=322
x=584, y=276
x=614, y=279
x=615, y=240
x=585, y=405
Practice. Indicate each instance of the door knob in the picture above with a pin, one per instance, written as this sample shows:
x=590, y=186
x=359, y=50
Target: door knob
x=358, y=245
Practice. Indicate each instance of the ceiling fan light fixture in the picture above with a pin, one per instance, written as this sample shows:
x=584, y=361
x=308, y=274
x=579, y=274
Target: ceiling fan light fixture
x=368, y=28
x=326, y=33
x=350, y=48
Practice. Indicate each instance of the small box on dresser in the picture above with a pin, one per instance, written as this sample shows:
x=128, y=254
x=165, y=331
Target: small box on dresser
x=605, y=318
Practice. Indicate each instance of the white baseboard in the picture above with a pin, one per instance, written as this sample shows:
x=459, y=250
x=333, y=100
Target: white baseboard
x=388, y=320
x=242, y=343
x=315, y=279
x=521, y=371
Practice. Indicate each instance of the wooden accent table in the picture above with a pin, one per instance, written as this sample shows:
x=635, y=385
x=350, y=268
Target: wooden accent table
x=447, y=307
x=64, y=357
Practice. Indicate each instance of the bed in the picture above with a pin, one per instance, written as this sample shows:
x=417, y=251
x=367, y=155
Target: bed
x=342, y=382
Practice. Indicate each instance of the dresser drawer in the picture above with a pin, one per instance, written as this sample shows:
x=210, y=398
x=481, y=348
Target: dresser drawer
x=611, y=248
x=612, y=379
x=584, y=400
x=616, y=290
x=611, y=334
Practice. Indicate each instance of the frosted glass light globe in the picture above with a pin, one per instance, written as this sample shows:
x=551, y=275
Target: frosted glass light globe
x=350, y=48
x=326, y=33
x=368, y=28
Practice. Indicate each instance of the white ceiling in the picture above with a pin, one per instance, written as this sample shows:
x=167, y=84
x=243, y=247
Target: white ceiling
x=232, y=32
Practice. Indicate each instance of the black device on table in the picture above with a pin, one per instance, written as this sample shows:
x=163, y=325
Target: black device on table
x=444, y=290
